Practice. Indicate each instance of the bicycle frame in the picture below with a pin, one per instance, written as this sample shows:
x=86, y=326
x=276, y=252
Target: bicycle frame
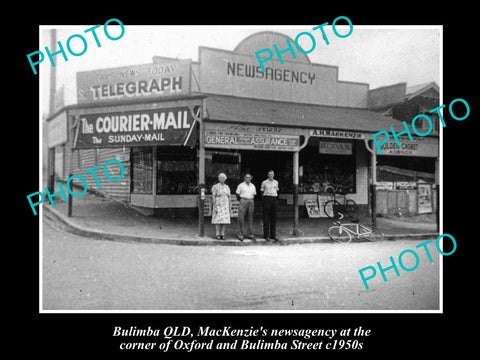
x=356, y=226
x=334, y=193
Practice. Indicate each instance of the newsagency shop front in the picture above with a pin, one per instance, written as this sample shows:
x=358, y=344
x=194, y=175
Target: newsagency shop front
x=176, y=124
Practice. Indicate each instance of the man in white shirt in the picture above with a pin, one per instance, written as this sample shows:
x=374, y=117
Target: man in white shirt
x=245, y=194
x=269, y=190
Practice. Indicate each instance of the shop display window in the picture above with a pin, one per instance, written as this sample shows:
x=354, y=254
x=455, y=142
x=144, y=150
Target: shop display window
x=176, y=170
x=227, y=162
x=142, y=170
x=320, y=172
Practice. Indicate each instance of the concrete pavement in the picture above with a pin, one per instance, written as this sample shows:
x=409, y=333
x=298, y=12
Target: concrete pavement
x=101, y=218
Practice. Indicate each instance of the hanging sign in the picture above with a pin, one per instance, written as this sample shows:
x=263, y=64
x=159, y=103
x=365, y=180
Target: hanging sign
x=335, y=147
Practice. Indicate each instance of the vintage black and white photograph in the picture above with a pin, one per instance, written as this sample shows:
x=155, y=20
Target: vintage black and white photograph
x=241, y=168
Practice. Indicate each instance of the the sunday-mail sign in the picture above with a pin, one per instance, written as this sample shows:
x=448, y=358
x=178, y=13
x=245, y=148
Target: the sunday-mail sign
x=136, y=81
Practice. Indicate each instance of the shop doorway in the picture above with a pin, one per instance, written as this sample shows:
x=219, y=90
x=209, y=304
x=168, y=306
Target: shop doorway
x=258, y=163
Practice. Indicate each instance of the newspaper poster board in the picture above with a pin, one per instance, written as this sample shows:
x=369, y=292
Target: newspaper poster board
x=424, y=198
x=207, y=207
x=233, y=206
x=313, y=210
x=322, y=199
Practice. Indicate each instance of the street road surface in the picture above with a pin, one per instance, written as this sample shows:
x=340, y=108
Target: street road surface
x=87, y=274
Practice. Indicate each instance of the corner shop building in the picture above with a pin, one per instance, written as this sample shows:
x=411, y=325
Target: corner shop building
x=175, y=124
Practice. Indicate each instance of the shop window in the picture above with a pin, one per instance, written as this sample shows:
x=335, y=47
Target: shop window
x=320, y=171
x=227, y=162
x=176, y=170
x=142, y=170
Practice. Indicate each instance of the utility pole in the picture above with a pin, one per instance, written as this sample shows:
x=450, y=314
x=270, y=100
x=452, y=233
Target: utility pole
x=53, y=86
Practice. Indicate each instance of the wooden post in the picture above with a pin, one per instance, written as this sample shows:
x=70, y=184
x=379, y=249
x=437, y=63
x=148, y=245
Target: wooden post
x=53, y=72
x=53, y=85
x=201, y=173
x=374, y=204
x=374, y=185
x=155, y=171
x=295, y=192
x=51, y=170
x=437, y=210
x=70, y=199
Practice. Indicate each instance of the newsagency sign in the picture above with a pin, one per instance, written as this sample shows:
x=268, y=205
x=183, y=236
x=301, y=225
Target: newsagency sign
x=136, y=128
x=245, y=137
x=136, y=81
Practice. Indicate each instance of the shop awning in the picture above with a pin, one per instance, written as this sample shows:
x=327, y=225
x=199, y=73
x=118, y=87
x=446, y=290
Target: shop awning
x=268, y=112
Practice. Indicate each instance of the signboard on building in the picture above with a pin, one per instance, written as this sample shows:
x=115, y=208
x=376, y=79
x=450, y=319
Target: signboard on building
x=336, y=134
x=405, y=185
x=245, y=137
x=173, y=126
x=420, y=146
x=239, y=74
x=385, y=185
x=135, y=81
x=335, y=147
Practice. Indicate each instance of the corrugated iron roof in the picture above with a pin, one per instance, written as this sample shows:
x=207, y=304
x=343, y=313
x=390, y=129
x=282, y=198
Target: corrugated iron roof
x=414, y=90
x=258, y=111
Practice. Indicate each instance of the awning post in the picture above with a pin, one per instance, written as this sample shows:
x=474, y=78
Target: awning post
x=374, y=185
x=295, y=192
x=201, y=173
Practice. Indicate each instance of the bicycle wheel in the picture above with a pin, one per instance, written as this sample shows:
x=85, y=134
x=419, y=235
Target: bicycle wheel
x=351, y=207
x=370, y=233
x=331, y=208
x=338, y=234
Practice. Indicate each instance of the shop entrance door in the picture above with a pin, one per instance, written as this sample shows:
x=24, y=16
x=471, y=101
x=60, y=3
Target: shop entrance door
x=258, y=163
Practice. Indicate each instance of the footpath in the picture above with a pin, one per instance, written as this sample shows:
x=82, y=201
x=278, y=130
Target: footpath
x=101, y=218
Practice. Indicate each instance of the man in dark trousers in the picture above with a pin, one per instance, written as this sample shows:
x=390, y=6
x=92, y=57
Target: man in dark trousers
x=246, y=192
x=269, y=190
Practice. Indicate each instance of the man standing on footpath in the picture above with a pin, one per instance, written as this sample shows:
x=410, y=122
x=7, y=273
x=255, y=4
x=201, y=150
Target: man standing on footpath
x=245, y=194
x=269, y=190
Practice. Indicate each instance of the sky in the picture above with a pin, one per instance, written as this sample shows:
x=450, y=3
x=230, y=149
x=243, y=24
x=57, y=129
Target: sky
x=376, y=55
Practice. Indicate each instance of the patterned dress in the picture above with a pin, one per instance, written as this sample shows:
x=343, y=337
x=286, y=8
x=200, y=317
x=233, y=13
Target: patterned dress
x=221, y=202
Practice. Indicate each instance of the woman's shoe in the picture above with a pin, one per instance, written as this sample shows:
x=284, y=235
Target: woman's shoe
x=222, y=237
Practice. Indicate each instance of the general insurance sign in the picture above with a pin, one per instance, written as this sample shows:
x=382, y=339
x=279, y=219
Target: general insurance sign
x=235, y=136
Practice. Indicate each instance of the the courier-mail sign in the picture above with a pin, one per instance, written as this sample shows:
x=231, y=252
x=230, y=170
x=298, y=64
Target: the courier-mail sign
x=136, y=81
x=135, y=128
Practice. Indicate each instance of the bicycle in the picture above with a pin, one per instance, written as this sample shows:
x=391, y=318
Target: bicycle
x=344, y=233
x=332, y=207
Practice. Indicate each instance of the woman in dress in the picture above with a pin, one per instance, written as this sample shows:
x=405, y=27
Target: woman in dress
x=221, y=206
